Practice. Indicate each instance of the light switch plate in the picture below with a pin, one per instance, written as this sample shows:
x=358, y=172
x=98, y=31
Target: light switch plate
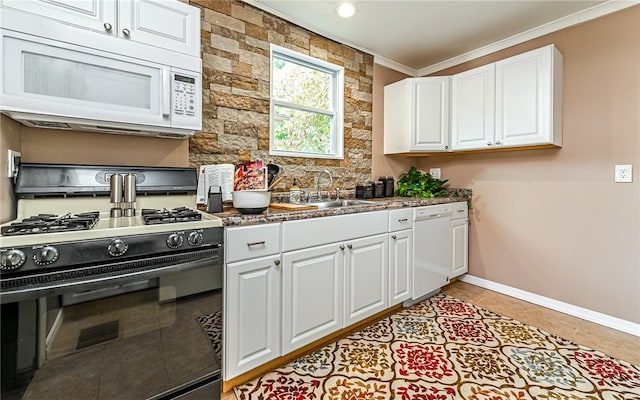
x=435, y=173
x=624, y=173
x=13, y=161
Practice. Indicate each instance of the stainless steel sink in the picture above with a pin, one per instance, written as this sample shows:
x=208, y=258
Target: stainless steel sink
x=341, y=203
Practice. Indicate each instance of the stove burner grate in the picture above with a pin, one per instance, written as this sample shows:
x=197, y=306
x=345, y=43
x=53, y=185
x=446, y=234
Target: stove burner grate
x=49, y=223
x=165, y=216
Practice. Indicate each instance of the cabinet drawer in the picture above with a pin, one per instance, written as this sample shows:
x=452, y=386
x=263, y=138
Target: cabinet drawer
x=459, y=210
x=399, y=219
x=318, y=231
x=247, y=242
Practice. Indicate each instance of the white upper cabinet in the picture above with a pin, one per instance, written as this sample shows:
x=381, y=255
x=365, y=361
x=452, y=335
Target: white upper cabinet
x=515, y=102
x=473, y=108
x=166, y=24
x=416, y=115
x=529, y=98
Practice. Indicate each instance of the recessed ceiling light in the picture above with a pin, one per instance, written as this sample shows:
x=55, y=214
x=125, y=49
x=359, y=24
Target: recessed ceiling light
x=346, y=9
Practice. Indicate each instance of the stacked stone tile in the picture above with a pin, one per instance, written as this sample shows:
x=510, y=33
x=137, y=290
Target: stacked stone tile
x=236, y=76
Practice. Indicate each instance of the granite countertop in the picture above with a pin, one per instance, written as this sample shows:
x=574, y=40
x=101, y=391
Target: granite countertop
x=231, y=217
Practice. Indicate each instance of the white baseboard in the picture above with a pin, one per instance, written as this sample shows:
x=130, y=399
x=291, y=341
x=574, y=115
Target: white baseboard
x=586, y=314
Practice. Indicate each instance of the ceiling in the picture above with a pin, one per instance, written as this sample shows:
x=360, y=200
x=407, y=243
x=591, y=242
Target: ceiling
x=418, y=37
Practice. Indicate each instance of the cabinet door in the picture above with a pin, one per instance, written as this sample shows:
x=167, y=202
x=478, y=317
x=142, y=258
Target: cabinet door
x=460, y=230
x=400, y=266
x=430, y=127
x=473, y=109
x=168, y=24
x=311, y=294
x=525, y=98
x=252, y=315
x=98, y=16
x=366, y=277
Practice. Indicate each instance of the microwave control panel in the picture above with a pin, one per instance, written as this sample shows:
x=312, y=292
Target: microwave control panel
x=184, y=95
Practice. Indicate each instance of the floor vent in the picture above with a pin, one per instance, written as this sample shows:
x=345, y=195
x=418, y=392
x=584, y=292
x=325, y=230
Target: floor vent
x=98, y=334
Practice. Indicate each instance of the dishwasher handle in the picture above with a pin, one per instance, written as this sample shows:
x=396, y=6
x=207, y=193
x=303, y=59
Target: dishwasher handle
x=422, y=215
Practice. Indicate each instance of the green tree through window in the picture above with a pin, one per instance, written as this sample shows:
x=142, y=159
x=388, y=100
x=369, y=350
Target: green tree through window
x=306, y=106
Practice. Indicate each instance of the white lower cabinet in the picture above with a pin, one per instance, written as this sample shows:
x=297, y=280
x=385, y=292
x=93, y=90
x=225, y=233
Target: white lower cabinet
x=400, y=255
x=252, y=316
x=400, y=266
x=312, y=288
x=460, y=232
x=326, y=288
x=365, y=277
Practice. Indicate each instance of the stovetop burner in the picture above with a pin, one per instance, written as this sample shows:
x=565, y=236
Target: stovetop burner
x=49, y=223
x=165, y=216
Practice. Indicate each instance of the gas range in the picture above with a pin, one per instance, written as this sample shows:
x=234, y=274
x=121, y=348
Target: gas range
x=47, y=244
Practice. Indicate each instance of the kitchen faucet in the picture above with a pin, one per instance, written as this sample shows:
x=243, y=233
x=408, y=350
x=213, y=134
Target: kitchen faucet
x=330, y=184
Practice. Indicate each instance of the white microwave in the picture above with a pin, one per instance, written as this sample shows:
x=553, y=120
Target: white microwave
x=54, y=84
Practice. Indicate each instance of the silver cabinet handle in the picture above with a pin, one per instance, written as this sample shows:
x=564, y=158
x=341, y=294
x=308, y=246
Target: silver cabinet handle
x=497, y=142
x=277, y=262
x=350, y=246
x=403, y=220
x=256, y=244
x=107, y=27
x=460, y=210
x=489, y=143
x=341, y=247
x=393, y=237
x=126, y=32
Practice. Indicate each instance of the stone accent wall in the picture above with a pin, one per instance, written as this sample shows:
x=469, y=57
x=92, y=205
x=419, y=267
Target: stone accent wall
x=236, y=94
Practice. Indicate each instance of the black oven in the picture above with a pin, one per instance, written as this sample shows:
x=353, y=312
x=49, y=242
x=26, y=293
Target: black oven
x=120, y=308
x=131, y=336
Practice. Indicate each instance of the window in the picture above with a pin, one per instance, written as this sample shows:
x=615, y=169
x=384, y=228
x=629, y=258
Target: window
x=306, y=106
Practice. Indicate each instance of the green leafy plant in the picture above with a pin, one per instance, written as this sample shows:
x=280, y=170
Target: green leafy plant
x=417, y=184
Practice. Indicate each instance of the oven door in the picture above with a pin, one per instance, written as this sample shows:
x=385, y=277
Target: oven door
x=124, y=342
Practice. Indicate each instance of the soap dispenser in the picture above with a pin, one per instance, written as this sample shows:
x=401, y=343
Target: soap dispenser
x=294, y=192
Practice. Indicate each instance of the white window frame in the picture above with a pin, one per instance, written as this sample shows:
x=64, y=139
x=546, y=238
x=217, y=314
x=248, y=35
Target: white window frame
x=337, y=112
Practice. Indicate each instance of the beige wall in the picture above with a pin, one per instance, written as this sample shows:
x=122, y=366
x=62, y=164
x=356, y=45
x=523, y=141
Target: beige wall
x=9, y=140
x=553, y=222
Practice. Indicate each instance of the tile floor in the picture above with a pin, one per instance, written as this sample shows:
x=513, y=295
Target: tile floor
x=610, y=341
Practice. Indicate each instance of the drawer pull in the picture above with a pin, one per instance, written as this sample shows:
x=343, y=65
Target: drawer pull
x=403, y=220
x=256, y=244
x=460, y=210
x=341, y=247
x=277, y=262
x=350, y=246
x=393, y=237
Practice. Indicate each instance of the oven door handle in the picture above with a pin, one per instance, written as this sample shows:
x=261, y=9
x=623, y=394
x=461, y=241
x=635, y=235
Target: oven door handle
x=89, y=283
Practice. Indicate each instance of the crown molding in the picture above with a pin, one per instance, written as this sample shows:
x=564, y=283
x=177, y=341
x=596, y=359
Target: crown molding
x=385, y=62
x=562, y=23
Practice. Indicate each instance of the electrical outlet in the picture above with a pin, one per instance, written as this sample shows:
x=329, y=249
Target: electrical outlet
x=435, y=173
x=13, y=161
x=624, y=173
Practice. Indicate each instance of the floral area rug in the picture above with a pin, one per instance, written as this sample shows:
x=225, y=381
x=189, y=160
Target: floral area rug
x=444, y=348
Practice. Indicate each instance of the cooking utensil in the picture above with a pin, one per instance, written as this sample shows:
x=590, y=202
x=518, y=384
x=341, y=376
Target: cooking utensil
x=274, y=183
x=273, y=170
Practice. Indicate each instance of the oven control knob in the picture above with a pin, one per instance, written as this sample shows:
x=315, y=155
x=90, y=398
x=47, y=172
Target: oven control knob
x=174, y=241
x=45, y=255
x=117, y=247
x=12, y=259
x=195, y=238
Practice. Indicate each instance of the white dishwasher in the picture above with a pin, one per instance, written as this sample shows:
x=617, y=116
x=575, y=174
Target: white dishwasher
x=432, y=249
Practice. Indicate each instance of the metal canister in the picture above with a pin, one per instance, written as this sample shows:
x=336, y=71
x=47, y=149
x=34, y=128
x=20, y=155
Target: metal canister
x=389, y=188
